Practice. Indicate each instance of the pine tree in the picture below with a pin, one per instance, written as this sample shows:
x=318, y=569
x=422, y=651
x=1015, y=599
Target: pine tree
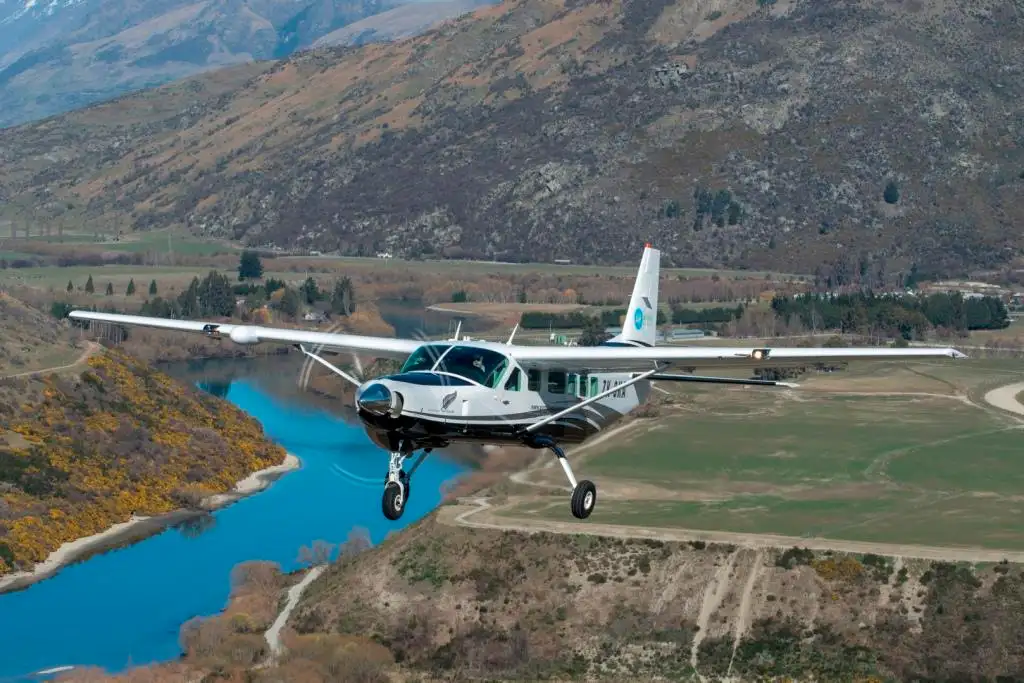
x=152, y=288
x=110, y=289
x=131, y=287
x=250, y=266
x=89, y=287
x=71, y=287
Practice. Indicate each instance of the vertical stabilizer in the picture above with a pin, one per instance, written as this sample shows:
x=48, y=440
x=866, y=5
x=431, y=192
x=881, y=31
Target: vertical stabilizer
x=641, y=323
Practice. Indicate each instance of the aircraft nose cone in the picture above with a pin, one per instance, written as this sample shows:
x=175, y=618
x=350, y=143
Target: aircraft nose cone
x=375, y=399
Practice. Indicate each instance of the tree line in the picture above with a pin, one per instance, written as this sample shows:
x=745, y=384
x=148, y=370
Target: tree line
x=678, y=315
x=216, y=296
x=906, y=316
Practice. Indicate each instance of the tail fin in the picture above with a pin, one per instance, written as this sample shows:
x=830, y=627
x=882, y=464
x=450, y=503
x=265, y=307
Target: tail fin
x=641, y=322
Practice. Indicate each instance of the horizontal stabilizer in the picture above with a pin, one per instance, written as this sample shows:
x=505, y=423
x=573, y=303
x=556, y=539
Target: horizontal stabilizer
x=722, y=380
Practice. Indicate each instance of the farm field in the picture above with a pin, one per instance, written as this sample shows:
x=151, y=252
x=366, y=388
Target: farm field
x=887, y=454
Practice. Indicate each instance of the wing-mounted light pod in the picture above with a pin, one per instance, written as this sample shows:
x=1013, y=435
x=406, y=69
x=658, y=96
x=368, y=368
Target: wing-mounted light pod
x=244, y=335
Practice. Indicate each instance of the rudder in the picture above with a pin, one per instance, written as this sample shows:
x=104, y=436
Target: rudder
x=641, y=323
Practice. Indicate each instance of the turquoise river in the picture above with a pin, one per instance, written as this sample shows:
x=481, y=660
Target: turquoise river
x=125, y=607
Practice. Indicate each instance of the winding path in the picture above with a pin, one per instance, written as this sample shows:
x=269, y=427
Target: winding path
x=91, y=347
x=479, y=513
x=273, y=634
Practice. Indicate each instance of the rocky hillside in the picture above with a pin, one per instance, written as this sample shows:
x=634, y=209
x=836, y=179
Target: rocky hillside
x=63, y=54
x=730, y=132
x=532, y=606
x=437, y=603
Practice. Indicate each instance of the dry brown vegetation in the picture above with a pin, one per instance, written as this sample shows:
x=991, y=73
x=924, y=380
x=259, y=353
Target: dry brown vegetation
x=30, y=339
x=447, y=603
x=728, y=133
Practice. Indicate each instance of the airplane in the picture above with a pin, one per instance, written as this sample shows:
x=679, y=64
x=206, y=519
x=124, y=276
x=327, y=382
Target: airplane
x=498, y=393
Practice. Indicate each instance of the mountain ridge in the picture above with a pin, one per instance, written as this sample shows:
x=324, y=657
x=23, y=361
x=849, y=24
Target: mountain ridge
x=63, y=55
x=731, y=134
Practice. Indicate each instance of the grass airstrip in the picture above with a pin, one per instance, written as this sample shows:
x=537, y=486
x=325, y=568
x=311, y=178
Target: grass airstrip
x=882, y=453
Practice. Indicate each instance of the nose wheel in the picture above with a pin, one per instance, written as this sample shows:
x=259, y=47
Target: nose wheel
x=397, y=483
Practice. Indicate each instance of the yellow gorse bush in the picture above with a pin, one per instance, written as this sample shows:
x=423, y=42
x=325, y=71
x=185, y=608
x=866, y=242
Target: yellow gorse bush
x=120, y=439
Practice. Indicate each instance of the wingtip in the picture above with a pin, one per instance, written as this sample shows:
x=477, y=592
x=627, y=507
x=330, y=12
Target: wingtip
x=957, y=354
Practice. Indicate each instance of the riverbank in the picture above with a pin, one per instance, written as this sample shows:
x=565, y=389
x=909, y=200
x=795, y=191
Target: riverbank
x=141, y=527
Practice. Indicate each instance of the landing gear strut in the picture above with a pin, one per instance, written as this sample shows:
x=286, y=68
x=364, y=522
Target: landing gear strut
x=584, y=493
x=396, y=483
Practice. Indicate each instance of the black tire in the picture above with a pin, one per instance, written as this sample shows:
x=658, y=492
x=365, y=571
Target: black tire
x=584, y=498
x=393, y=502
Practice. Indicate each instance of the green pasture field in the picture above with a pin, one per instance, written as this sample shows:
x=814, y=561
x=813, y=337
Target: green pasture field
x=488, y=267
x=916, y=469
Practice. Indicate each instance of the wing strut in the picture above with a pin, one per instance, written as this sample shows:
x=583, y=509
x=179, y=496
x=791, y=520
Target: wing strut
x=598, y=397
x=332, y=368
x=723, y=380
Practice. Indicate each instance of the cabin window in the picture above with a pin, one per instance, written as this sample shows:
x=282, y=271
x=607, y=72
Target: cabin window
x=593, y=387
x=556, y=382
x=533, y=380
x=513, y=380
x=572, y=384
x=479, y=365
x=584, y=387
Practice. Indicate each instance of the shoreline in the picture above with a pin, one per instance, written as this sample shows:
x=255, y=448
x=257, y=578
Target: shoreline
x=139, y=528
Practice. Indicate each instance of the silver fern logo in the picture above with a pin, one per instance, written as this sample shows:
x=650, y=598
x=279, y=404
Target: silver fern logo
x=447, y=400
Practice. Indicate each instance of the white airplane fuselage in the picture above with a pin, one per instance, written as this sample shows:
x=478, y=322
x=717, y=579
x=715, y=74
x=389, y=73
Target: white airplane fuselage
x=431, y=407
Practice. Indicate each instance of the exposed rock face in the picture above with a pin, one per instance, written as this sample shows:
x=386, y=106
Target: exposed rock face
x=728, y=133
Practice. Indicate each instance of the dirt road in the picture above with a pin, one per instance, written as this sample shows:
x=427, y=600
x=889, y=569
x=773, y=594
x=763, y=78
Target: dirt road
x=478, y=512
x=1005, y=398
x=91, y=347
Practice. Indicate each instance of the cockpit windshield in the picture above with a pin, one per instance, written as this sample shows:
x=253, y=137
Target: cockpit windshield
x=479, y=365
x=424, y=357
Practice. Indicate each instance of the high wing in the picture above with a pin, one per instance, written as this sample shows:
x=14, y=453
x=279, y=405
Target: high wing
x=641, y=359
x=378, y=347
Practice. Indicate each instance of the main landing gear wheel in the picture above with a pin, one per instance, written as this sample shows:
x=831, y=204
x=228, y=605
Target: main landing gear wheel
x=394, y=500
x=584, y=496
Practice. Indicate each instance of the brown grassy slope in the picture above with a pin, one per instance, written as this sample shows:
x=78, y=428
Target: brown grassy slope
x=513, y=605
x=547, y=128
x=30, y=339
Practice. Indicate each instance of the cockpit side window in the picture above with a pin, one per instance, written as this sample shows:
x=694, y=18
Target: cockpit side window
x=533, y=380
x=424, y=357
x=513, y=380
x=479, y=365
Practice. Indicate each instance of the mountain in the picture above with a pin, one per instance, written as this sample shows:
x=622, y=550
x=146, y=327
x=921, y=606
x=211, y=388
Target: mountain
x=866, y=136
x=58, y=55
x=403, y=21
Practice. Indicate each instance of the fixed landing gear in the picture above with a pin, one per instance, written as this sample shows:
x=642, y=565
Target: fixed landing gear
x=584, y=493
x=396, y=483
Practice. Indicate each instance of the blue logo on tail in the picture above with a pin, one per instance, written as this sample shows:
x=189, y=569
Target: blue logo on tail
x=638, y=319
